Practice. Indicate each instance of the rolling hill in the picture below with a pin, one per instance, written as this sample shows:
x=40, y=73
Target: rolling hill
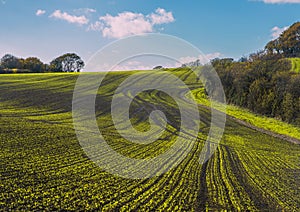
x=43, y=166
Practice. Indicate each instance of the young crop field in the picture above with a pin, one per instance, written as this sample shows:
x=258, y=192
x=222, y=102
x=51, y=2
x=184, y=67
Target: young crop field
x=43, y=166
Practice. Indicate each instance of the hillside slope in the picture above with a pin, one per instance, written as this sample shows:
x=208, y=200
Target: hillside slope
x=43, y=167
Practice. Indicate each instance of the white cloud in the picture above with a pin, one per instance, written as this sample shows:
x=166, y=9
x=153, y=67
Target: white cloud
x=213, y=55
x=129, y=23
x=276, y=31
x=281, y=1
x=132, y=65
x=81, y=20
x=85, y=10
x=97, y=26
x=202, y=58
x=125, y=24
x=161, y=16
x=40, y=12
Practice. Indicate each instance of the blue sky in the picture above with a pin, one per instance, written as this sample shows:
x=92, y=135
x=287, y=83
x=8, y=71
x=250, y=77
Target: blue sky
x=49, y=28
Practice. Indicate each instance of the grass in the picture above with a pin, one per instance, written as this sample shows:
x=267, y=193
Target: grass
x=260, y=121
x=295, y=64
x=43, y=167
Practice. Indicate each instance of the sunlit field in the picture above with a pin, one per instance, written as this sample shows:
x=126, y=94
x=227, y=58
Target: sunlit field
x=43, y=166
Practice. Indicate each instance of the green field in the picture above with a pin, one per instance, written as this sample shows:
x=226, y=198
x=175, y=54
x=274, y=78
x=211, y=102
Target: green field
x=295, y=65
x=43, y=166
x=263, y=122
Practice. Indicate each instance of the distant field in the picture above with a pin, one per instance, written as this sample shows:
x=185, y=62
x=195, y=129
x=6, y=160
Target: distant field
x=43, y=167
x=295, y=64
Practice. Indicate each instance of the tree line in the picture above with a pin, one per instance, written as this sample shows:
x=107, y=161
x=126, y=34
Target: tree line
x=263, y=81
x=69, y=62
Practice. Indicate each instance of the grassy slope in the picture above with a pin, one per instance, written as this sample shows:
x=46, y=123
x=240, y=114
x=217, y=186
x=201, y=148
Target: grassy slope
x=260, y=121
x=295, y=64
x=43, y=166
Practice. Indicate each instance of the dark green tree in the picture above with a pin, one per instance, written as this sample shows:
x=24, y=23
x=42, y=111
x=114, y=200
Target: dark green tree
x=289, y=107
x=69, y=62
x=34, y=64
x=288, y=43
x=9, y=61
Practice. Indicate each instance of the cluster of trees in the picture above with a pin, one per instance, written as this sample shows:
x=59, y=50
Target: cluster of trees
x=287, y=45
x=69, y=62
x=263, y=86
x=263, y=82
